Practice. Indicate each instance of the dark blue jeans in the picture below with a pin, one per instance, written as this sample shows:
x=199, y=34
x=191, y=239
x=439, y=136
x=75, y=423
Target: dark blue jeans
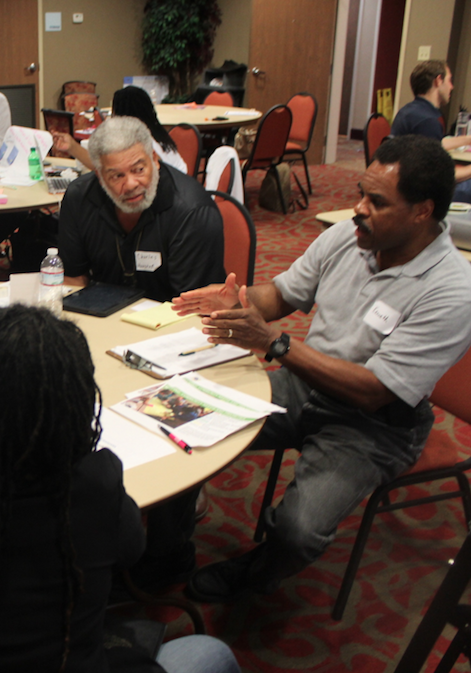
x=344, y=455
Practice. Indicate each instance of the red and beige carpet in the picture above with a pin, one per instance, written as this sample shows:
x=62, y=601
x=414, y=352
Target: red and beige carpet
x=407, y=553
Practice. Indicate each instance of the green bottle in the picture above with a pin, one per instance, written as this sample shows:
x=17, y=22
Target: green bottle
x=34, y=165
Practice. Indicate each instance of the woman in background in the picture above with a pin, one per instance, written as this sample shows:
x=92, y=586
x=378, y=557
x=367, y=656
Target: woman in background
x=65, y=519
x=132, y=101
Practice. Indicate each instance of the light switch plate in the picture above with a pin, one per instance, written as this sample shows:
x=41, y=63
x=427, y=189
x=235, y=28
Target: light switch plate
x=424, y=53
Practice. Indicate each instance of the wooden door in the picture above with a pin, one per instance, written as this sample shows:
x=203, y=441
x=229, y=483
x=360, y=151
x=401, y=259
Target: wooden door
x=291, y=43
x=19, y=44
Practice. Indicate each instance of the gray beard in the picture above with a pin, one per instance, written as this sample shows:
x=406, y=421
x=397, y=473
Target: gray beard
x=146, y=202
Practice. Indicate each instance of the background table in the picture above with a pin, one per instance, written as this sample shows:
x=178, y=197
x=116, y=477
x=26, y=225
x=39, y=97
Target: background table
x=168, y=476
x=203, y=116
x=34, y=196
x=463, y=156
x=335, y=216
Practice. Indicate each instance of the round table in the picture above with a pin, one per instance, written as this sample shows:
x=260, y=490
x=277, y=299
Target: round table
x=34, y=196
x=203, y=116
x=171, y=475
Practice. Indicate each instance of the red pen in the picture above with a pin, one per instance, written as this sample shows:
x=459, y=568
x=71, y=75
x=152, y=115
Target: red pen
x=174, y=438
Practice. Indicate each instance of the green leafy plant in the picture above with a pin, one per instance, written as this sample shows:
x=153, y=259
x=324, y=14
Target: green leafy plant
x=177, y=40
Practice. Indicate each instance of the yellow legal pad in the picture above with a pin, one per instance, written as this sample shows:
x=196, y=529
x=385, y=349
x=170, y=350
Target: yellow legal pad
x=155, y=317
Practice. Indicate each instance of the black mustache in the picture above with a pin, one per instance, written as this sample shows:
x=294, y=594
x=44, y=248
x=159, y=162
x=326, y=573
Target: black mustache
x=361, y=224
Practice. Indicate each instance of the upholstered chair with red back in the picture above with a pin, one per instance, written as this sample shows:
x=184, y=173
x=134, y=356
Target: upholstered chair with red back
x=303, y=107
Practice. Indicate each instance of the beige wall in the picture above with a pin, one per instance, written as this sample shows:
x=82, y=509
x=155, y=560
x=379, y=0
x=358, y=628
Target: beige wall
x=233, y=35
x=103, y=49
x=106, y=46
x=462, y=74
x=426, y=22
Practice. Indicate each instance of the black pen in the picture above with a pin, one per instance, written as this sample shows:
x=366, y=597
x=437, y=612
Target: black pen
x=174, y=438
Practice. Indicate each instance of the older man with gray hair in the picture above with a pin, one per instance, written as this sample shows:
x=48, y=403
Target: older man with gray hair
x=134, y=221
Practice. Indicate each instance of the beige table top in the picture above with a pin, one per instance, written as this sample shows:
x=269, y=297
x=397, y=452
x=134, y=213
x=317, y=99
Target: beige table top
x=335, y=216
x=202, y=116
x=178, y=472
x=461, y=155
x=35, y=196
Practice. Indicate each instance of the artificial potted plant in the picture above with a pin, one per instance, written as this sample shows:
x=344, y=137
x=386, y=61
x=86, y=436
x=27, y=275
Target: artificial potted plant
x=177, y=41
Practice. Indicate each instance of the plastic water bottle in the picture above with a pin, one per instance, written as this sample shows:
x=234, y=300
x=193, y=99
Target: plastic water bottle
x=462, y=123
x=34, y=165
x=51, y=282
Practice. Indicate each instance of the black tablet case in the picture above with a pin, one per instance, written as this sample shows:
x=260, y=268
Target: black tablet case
x=101, y=299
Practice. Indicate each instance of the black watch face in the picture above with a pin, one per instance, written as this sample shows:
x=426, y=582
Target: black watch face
x=278, y=348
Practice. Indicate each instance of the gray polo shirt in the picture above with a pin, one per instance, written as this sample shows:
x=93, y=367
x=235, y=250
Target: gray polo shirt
x=407, y=324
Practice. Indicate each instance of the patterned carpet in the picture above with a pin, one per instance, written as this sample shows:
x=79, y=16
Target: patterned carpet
x=406, y=556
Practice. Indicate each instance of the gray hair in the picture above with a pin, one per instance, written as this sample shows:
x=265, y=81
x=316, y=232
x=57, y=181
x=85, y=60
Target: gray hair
x=117, y=134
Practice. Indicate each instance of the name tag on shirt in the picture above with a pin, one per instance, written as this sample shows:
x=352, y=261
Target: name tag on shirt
x=148, y=261
x=382, y=317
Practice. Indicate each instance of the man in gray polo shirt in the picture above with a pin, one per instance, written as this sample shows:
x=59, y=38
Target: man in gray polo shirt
x=393, y=300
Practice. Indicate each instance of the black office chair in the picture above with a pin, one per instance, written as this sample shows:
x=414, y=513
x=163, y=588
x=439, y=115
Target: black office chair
x=444, y=609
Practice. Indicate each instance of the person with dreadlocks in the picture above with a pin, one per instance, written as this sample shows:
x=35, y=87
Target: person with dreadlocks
x=65, y=518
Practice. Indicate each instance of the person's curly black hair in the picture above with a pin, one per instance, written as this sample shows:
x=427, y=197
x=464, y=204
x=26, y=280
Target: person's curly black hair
x=49, y=419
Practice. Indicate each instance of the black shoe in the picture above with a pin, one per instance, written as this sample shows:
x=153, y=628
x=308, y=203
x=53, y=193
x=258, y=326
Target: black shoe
x=226, y=581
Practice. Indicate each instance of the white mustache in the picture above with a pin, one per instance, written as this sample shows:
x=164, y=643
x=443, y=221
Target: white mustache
x=132, y=195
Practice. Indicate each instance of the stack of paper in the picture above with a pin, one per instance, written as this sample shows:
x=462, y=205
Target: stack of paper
x=154, y=317
x=196, y=410
x=180, y=352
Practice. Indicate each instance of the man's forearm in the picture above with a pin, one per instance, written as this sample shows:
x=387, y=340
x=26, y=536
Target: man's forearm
x=268, y=300
x=346, y=381
x=452, y=142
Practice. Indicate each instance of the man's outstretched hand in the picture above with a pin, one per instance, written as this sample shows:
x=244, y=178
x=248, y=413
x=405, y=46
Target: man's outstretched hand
x=207, y=299
x=243, y=326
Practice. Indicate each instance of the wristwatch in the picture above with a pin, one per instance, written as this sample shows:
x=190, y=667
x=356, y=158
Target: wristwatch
x=278, y=348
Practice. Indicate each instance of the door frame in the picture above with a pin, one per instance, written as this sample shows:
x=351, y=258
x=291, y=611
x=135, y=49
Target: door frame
x=363, y=77
x=40, y=119
x=335, y=98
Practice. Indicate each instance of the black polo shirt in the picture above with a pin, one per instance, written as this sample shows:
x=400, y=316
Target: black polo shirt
x=419, y=117
x=183, y=224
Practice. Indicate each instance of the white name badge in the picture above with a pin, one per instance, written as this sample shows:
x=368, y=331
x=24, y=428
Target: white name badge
x=382, y=317
x=148, y=261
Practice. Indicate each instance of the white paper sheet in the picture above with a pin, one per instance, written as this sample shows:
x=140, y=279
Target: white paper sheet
x=24, y=288
x=167, y=352
x=130, y=442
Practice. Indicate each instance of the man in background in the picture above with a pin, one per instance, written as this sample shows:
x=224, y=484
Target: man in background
x=431, y=84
